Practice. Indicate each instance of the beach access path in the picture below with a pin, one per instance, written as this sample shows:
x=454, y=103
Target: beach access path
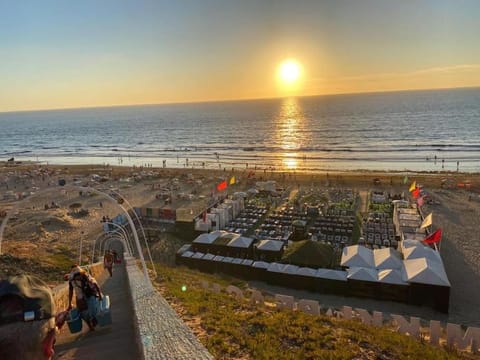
x=116, y=341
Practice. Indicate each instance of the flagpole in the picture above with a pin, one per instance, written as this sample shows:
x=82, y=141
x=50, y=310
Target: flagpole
x=434, y=244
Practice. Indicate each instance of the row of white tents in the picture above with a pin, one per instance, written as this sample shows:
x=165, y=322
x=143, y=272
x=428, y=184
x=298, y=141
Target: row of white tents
x=384, y=265
x=415, y=263
x=238, y=241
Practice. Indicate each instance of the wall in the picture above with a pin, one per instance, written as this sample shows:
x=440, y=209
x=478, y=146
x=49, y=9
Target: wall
x=161, y=334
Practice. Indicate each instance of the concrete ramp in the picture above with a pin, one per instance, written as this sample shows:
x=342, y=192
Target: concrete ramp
x=144, y=325
x=117, y=341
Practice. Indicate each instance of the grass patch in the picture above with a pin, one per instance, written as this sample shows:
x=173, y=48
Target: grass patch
x=60, y=261
x=234, y=329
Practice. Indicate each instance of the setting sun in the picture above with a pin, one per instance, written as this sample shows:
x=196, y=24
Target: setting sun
x=289, y=71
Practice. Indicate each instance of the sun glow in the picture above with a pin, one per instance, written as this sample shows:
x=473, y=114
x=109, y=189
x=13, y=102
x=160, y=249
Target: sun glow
x=289, y=71
x=289, y=161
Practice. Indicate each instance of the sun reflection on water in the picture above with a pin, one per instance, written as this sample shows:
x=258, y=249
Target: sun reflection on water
x=288, y=133
x=289, y=161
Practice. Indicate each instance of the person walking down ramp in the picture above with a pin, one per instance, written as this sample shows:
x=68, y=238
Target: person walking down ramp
x=86, y=293
x=108, y=260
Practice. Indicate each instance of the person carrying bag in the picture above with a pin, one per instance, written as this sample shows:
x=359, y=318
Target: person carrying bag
x=87, y=293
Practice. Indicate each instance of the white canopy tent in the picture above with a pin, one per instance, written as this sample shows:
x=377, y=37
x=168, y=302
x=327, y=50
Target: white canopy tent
x=209, y=238
x=270, y=245
x=408, y=243
x=240, y=242
x=357, y=256
x=421, y=251
x=363, y=274
x=387, y=258
x=391, y=276
x=425, y=271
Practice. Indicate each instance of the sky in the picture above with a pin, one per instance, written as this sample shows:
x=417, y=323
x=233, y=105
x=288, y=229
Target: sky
x=62, y=54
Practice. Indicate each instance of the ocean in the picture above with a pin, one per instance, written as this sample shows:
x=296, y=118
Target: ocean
x=434, y=130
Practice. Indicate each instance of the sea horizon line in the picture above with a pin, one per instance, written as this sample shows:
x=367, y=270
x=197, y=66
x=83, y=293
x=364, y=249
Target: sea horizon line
x=87, y=107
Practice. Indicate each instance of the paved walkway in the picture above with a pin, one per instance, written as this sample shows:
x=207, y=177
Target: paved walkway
x=110, y=342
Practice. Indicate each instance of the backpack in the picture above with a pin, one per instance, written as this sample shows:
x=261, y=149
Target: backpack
x=88, y=286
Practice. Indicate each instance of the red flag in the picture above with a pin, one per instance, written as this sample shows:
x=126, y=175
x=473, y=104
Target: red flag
x=222, y=186
x=416, y=193
x=250, y=174
x=434, y=237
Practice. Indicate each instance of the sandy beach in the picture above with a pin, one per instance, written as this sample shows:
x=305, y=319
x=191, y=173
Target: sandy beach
x=46, y=241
